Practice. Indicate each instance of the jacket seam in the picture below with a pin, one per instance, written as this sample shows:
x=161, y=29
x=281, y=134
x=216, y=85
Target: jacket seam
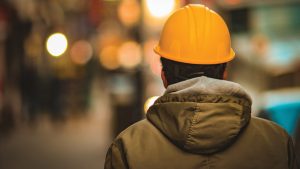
x=188, y=137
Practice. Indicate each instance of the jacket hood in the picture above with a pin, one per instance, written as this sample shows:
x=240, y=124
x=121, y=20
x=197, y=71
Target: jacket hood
x=201, y=115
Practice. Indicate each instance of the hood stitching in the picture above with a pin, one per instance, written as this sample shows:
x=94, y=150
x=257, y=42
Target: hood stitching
x=189, y=134
x=202, y=98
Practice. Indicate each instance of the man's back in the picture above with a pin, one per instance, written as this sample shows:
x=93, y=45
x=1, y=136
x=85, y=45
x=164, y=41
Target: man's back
x=202, y=123
x=142, y=146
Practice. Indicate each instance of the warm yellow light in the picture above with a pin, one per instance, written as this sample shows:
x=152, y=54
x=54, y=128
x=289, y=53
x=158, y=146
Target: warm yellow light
x=57, y=44
x=160, y=8
x=129, y=12
x=130, y=54
x=149, y=102
x=108, y=57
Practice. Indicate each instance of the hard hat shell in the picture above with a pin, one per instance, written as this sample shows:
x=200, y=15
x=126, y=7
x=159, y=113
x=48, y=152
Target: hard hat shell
x=197, y=35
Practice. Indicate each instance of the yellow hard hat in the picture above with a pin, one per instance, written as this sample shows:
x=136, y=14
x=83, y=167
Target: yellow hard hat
x=197, y=35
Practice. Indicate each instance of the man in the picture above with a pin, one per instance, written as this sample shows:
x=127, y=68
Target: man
x=201, y=121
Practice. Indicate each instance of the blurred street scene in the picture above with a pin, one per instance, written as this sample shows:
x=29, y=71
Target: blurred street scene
x=75, y=73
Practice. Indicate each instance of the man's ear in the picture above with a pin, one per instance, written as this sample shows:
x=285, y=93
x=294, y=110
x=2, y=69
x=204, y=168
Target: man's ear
x=163, y=78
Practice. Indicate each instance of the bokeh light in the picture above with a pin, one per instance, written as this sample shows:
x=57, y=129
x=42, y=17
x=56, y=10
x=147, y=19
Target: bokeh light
x=109, y=57
x=152, y=59
x=159, y=8
x=233, y=2
x=130, y=54
x=129, y=12
x=149, y=102
x=81, y=52
x=57, y=44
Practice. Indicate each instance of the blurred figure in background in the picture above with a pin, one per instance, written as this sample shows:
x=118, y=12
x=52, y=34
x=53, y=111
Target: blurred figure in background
x=201, y=120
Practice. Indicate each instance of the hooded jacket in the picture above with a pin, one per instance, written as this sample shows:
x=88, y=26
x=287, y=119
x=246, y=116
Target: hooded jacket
x=202, y=123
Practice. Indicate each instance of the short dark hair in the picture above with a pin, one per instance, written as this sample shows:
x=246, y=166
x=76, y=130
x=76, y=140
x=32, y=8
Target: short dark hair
x=176, y=71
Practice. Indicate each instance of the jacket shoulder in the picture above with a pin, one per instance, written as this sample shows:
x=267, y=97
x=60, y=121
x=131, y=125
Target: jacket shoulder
x=137, y=129
x=268, y=126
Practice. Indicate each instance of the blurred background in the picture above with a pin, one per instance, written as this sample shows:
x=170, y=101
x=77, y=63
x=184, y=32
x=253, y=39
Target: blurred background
x=74, y=73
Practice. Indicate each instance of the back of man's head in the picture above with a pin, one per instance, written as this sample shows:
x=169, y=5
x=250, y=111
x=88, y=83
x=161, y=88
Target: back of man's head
x=176, y=71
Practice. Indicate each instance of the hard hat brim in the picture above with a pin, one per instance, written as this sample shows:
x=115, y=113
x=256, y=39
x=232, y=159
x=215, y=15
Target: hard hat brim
x=225, y=59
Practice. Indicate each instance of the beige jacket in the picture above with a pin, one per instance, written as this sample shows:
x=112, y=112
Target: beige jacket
x=202, y=123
